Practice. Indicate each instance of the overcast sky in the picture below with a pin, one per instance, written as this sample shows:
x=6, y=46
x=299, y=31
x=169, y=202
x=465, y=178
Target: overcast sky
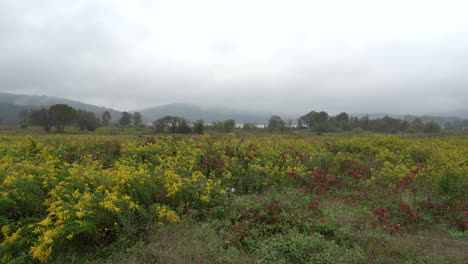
x=398, y=56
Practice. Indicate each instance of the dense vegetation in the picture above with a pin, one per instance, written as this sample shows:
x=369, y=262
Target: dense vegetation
x=228, y=199
x=16, y=109
x=62, y=115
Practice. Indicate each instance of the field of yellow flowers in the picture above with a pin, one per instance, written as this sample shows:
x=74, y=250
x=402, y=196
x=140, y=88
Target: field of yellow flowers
x=65, y=194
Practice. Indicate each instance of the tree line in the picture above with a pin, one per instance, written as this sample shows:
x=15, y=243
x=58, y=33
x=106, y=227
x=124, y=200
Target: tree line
x=322, y=122
x=175, y=124
x=61, y=115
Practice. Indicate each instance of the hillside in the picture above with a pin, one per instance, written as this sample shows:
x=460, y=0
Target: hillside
x=194, y=112
x=12, y=104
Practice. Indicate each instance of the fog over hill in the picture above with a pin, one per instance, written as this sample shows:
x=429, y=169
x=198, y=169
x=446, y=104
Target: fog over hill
x=12, y=104
x=213, y=114
x=291, y=57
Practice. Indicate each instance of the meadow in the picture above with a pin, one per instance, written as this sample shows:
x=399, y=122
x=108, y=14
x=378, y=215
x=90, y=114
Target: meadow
x=227, y=198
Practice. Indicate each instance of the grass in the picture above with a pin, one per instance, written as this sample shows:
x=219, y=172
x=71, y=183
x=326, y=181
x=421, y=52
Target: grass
x=340, y=233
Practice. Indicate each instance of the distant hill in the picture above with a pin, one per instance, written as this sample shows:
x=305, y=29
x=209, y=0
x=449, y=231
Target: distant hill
x=12, y=104
x=194, y=112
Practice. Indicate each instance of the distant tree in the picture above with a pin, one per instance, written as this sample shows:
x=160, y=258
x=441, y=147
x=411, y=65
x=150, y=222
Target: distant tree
x=87, y=120
x=248, y=127
x=324, y=127
x=218, y=126
x=404, y=125
x=42, y=117
x=322, y=117
x=282, y=126
x=343, y=116
x=312, y=118
x=161, y=124
x=62, y=115
x=365, y=123
x=386, y=124
x=106, y=118
x=306, y=120
x=167, y=124
x=93, y=122
x=198, y=127
x=125, y=119
x=379, y=125
x=417, y=125
x=183, y=127
x=173, y=123
x=229, y=125
x=341, y=122
x=354, y=122
x=137, y=119
x=432, y=127
x=274, y=123
x=81, y=117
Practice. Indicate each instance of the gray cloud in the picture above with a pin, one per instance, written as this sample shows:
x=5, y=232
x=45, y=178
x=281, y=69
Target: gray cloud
x=269, y=55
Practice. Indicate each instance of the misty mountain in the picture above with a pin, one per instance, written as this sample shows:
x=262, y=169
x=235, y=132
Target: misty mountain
x=12, y=104
x=194, y=112
x=9, y=113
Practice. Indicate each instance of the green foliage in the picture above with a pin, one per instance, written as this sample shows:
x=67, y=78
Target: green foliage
x=295, y=247
x=172, y=124
x=357, y=130
x=42, y=117
x=106, y=118
x=343, y=116
x=198, y=127
x=432, y=127
x=417, y=125
x=321, y=122
x=137, y=119
x=183, y=127
x=274, y=199
x=62, y=115
x=229, y=125
x=218, y=126
x=248, y=127
x=87, y=120
x=312, y=119
x=125, y=119
x=276, y=123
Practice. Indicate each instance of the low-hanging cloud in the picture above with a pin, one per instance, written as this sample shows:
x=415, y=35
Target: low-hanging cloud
x=284, y=56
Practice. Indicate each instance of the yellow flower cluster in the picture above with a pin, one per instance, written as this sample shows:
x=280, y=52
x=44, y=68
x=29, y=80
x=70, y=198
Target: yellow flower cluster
x=166, y=215
x=78, y=187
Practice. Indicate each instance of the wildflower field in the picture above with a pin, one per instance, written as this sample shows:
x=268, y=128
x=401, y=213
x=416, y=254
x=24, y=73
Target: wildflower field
x=231, y=199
